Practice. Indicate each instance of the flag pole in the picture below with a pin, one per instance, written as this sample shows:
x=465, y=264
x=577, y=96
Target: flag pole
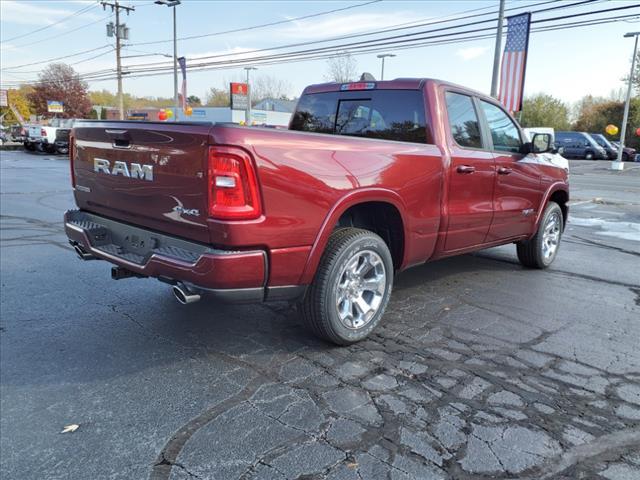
x=526, y=55
x=496, y=54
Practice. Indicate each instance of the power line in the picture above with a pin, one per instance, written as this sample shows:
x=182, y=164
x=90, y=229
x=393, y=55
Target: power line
x=10, y=68
x=456, y=17
x=303, y=55
x=79, y=12
x=443, y=19
x=389, y=41
x=64, y=33
x=263, y=25
x=377, y=32
x=361, y=48
x=371, y=50
x=95, y=56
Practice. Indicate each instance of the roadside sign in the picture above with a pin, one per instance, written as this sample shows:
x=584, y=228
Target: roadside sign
x=4, y=98
x=239, y=96
x=54, y=106
x=138, y=116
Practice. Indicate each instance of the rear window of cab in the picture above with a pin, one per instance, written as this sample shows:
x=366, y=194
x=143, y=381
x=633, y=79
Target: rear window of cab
x=384, y=114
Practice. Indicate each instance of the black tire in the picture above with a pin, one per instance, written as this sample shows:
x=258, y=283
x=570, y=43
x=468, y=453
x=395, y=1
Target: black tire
x=531, y=252
x=29, y=146
x=589, y=156
x=320, y=305
x=48, y=148
x=62, y=150
x=625, y=157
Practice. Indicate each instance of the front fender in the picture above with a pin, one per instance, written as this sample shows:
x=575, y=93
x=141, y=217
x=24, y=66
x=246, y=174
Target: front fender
x=553, y=188
x=349, y=200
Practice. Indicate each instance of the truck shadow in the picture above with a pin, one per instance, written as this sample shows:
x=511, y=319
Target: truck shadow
x=104, y=323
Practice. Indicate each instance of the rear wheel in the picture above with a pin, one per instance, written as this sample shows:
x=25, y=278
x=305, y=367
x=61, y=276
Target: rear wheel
x=351, y=288
x=541, y=250
x=29, y=146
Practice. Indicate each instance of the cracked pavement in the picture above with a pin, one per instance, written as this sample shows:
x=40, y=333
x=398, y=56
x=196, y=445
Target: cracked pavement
x=481, y=369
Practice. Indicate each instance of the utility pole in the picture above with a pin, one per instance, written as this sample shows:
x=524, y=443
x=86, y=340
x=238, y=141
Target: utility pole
x=496, y=53
x=383, y=56
x=120, y=32
x=618, y=165
x=247, y=112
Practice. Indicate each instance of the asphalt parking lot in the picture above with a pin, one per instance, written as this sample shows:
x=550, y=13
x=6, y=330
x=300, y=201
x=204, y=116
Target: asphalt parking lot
x=482, y=369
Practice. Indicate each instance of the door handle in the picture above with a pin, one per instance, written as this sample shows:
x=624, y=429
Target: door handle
x=504, y=171
x=465, y=169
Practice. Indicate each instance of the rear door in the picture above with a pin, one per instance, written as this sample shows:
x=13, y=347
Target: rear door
x=517, y=192
x=150, y=174
x=471, y=176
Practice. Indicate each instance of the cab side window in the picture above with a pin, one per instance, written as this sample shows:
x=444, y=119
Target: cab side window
x=504, y=133
x=463, y=120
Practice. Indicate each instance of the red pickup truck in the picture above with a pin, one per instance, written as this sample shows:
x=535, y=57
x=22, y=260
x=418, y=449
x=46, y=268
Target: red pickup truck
x=371, y=178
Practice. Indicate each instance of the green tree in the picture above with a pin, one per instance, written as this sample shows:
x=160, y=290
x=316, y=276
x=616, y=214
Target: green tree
x=19, y=100
x=543, y=110
x=217, y=97
x=103, y=98
x=595, y=114
x=194, y=101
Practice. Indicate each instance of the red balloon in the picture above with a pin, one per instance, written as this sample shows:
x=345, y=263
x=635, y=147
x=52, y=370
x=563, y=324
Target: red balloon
x=638, y=132
x=162, y=115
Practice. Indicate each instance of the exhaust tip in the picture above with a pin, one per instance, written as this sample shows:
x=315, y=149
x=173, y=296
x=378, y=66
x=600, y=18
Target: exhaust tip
x=183, y=295
x=82, y=254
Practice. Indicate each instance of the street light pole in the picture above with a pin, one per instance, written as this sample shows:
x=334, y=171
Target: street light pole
x=618, y=165
x=382, y=56
x=174, y=4
x=247, y=112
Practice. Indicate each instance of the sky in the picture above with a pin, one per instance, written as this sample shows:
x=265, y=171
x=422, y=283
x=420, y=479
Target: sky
x=567, y=64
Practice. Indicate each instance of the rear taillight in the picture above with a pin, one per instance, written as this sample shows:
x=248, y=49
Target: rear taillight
x=43, y=132
x=72, y=152
x=233, y=185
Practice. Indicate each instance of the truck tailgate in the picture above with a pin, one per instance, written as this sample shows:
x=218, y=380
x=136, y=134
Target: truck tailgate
x=149, y=174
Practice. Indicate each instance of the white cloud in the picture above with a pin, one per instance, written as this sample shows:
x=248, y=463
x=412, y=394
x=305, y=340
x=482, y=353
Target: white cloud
x=343, y=25
x=471, y=52
x=35, y=13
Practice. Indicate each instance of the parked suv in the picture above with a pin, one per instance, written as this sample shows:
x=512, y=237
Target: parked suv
x=579, y=145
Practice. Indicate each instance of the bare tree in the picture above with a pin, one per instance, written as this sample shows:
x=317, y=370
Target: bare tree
x=217, y=97
x=267, y=86
x=342, y=69
x=262, y=87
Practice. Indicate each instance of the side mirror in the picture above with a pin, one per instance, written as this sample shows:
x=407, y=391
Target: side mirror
x=541, y=143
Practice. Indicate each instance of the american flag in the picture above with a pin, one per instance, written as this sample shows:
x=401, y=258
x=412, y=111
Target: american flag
x=183, y=91
x=514, y=62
